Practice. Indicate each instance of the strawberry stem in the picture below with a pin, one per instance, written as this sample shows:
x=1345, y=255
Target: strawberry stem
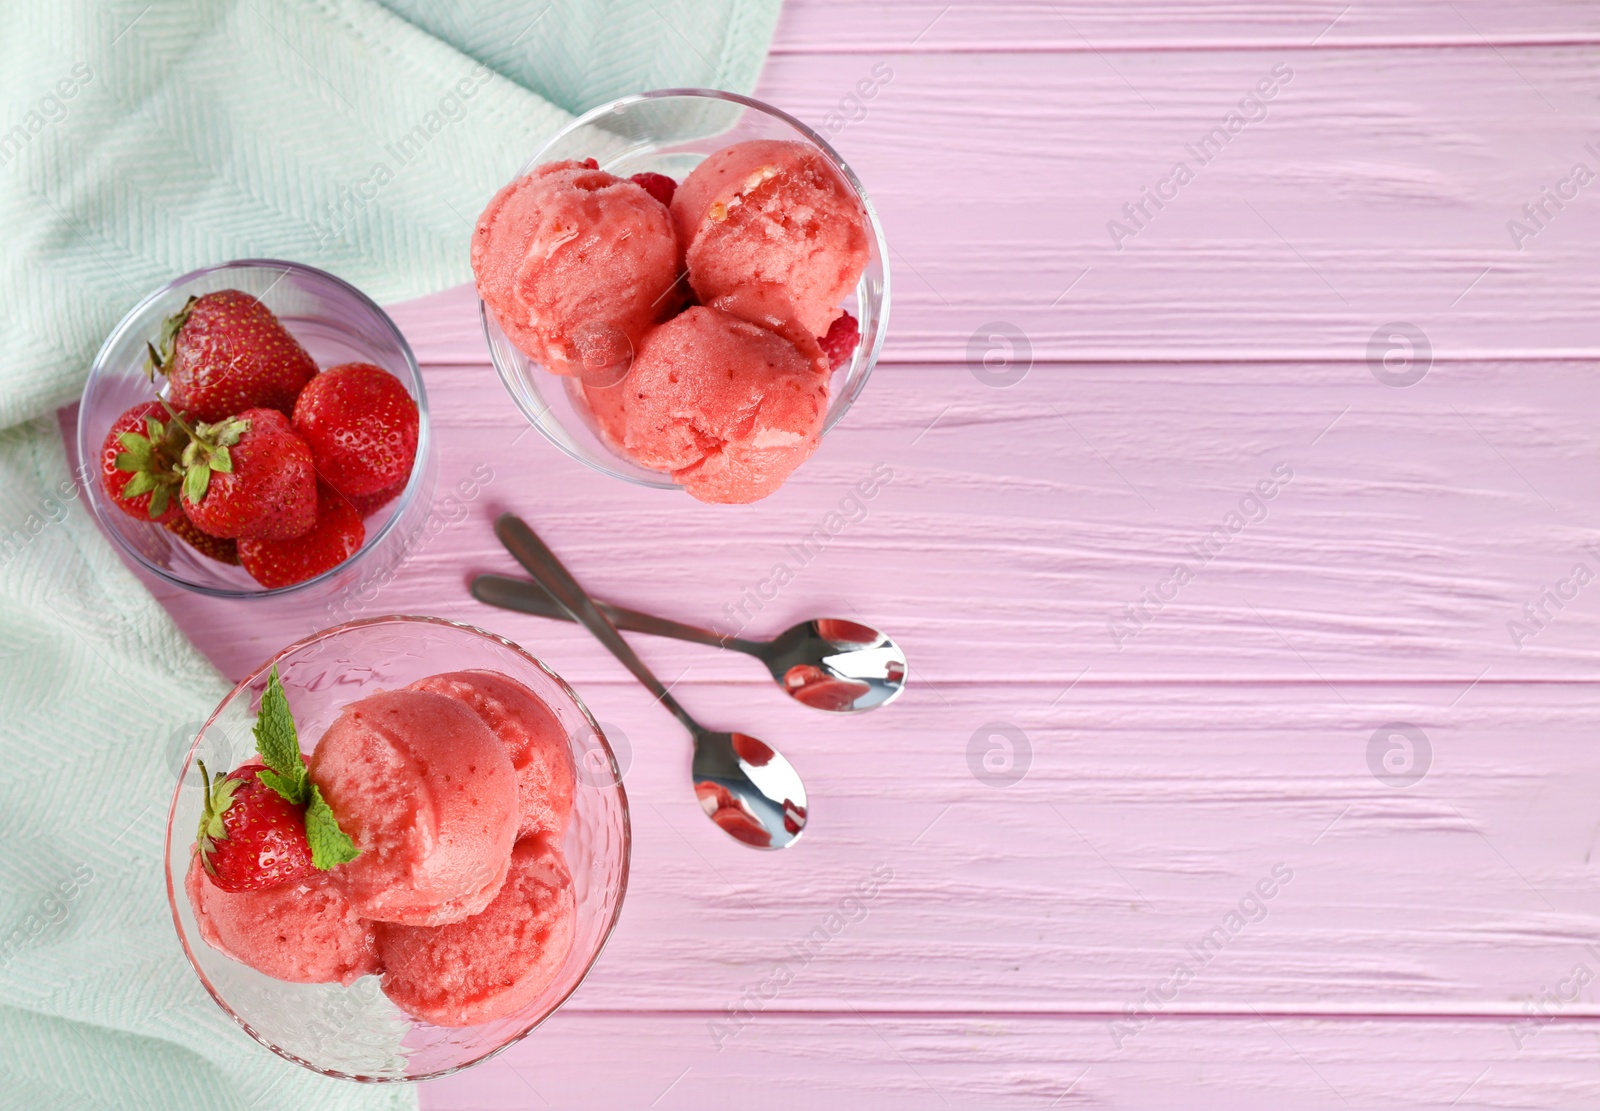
x=176, y=416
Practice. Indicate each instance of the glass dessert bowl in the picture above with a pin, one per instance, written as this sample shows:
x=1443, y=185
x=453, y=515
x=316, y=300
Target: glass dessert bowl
x=355, y=1032
x=670, y=132
x=335, y=323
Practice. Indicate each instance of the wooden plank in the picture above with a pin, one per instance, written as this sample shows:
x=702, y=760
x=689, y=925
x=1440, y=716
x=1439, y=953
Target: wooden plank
x=1075, y=26
x=1382, y=186
x=783, y=1061
x=1145, y=819
x=1420, y=527
x=1379, y=187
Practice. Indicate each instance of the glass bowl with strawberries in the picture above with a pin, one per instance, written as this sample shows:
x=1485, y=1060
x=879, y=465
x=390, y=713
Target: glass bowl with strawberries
x=396, y=848
x=256, y=428
x=686, y=289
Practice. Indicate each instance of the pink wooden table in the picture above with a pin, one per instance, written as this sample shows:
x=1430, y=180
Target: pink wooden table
x=1307, y=796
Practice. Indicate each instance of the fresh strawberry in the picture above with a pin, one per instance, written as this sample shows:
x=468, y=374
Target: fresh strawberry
x=266, y=824
x=139, y=462
x=659, y=186
x=250, y=475
x=843, y=335
x=368, y=504
x=361, y=425
x=226, y=352
x=250, y=836
x=337, y=535
x=212, y=547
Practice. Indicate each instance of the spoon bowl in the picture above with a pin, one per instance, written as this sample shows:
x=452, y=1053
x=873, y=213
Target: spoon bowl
x=835, y=665
x=830, y=664
x=748, y=789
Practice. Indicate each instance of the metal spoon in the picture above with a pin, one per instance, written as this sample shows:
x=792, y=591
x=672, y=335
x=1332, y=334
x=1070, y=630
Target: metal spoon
x=743, y=785
x=829, y=663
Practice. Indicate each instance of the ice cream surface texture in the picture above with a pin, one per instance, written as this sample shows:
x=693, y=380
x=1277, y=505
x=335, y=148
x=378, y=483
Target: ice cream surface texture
x=726, y=407
x=576, y=264
x=429, y=796
x=305, y=932
x=533, y=738
x=773, y=212
x=494, y=963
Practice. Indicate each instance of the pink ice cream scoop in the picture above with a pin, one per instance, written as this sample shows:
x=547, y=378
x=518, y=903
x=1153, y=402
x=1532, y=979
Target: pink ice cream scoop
x=576, y=264
x=726, y=407
x=534, y=739
x=429, y=796
x=494, y=963
x=607, y=405
x=306, y=932
x=773, y=212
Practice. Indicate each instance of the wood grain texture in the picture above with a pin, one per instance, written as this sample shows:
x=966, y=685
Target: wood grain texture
x=1146, y=817
x=1417, y=526
x=791, y=1063
x=1073, y=26
x=1380, y=187
x=1416, y=577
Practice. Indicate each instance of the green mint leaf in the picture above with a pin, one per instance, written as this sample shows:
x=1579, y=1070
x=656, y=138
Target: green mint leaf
x=330, y=845
x=279, y=743
x=292, y=788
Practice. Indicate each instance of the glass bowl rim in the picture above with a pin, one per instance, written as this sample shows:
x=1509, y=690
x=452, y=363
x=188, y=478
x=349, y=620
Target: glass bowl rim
x=329, y=633
x=88, y=448
x=846, y=400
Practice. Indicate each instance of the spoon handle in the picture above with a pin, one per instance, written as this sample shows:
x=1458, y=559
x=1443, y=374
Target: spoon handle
x=529, y=597
x=542, y=564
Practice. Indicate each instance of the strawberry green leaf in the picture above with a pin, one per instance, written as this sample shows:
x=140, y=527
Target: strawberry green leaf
x=222, y=461
x=231, y=431
x=159, y=500
x=134, y=442
x=158, y=360
x=279, y=744
x=141, y=483
x=196, y=482
x=218, y=797
x=330, y=845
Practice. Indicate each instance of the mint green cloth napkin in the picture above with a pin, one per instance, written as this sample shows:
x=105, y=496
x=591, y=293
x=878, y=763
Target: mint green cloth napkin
x=138, y=142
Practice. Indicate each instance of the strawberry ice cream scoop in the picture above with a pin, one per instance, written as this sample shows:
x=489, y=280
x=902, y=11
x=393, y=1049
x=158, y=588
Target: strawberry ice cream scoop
x=304, y=932
x=773, y=212
x=534, y=739
x=607, y=407
x=726, y=407
x=576, y=264
x=429, y=797
x=494, y=963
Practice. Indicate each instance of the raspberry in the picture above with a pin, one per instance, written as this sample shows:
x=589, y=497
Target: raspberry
x=843, y=335
x=659, y=186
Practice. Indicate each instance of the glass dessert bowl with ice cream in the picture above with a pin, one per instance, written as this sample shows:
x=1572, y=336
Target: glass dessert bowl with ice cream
x=396, y=848
x=684, y=289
